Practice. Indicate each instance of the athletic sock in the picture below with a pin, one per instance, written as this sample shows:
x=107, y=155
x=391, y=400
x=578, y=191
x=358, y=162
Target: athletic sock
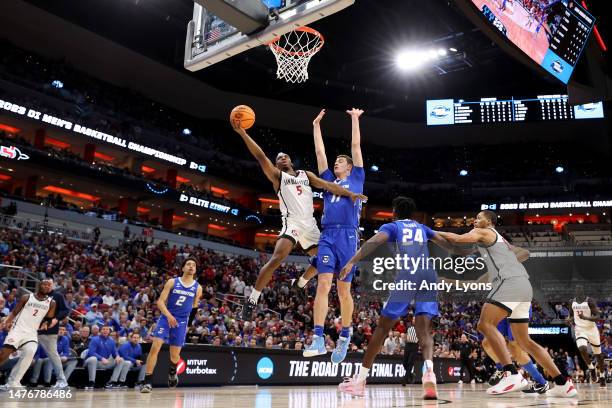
x=363, y=373
x=591, y=366
x=148, y=378
x=499, y=366
x=172, y=368
x=427, y=364
x=301, y=282
x=318, y=331
x=534, y=373
x=559, y=380
x=254, y=298
x=511, y=368
x=345, y=332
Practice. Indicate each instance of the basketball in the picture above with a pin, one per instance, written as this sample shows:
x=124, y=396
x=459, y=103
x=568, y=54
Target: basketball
x=243, y=115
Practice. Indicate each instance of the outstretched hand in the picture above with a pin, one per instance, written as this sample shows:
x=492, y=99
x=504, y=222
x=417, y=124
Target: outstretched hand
x=355, y=113
x=317, y=120
x=237, y=128
x=361, y=197
x=345, y=271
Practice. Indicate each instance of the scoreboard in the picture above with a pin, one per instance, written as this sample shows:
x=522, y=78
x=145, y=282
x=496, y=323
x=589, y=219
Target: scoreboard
x=495, y=110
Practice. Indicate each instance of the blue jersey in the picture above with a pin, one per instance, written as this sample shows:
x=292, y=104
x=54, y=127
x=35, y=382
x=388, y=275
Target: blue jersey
x=410, y=237
x=340, y=211
x=180, y=299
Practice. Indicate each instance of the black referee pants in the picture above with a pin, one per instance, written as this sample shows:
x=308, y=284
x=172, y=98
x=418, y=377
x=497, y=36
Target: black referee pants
x=411, y=351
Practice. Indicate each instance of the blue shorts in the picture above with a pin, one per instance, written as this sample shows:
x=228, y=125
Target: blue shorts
x=336, y=247
x=396, y=310
x=173, y=336
x=505, y=330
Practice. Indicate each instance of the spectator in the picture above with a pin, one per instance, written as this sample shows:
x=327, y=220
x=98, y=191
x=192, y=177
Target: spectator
x=102, y=354
x=132, y=356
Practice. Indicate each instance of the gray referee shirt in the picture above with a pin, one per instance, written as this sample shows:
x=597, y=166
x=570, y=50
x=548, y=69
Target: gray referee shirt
x=411, y=336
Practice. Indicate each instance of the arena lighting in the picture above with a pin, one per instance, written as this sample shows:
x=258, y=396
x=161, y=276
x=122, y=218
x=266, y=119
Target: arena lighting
x=384, y=214
x=9, y=129
x=453, y=49
x=57, y=143
x=463, y=173
x=71, y=193
x=218, y=190
x=559, y=169
x=4, y=177
x=147, y=169
x=182, y=179
x=374, y=168
x=186, y=131
x=217, y=227
x=269, y=200
x=143, y=210
x=264, y=235
x=57, y=84
x=412, y=59
x=103, y=156
x=178, y=218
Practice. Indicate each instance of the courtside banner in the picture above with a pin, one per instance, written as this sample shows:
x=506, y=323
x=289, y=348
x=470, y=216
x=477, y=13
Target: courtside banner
x=208, y=365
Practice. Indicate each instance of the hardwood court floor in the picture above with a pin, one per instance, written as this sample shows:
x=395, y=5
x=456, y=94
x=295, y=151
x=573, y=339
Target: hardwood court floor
x=454, y=395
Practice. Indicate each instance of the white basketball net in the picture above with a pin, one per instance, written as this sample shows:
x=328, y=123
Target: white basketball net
x=293, y=52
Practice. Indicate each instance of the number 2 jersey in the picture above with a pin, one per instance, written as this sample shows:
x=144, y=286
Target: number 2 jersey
x=180, y=299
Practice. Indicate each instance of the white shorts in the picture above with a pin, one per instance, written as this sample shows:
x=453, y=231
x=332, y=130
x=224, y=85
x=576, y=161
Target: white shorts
x=304, y=231
x=17, y=338
x=586, y=336
x=518, y=311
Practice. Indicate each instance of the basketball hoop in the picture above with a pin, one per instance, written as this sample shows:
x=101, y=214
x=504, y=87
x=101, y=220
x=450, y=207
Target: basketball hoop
x=293, y=51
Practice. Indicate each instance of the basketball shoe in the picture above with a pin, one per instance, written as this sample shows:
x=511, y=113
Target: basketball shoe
x=510, y=382
x=316, y=348
x=430, y=391
x=566, y=390
x=339, y=353
x=353, y=386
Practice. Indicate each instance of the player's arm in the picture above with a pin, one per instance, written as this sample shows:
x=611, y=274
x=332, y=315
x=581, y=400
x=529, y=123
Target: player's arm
x=271, y=172
x=163, y=299
x=9, y=320
x=334, y=188
x=595, y=312
x=50, y=315
x=356, y=137
x=522, y=254
x=318, y=142
x=366, y=249
x=194, y=308
x=475, y=236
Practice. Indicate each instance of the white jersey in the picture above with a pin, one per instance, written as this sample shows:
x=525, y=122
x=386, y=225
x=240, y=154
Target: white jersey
x=31, y=316
x=295, y=196
x=586, y=312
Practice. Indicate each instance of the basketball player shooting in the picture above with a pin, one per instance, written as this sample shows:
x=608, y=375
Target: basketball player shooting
x=510, y=297
x=340, y=237
x=33, y=312
x=178, y=304
x=299, y=225
x=410, y=237
x=586, y=314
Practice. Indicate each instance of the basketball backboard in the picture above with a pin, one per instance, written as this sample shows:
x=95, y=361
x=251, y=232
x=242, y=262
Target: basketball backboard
x=211, y=39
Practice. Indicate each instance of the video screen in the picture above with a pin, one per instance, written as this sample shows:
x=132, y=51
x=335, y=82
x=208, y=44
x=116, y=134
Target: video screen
x=553, y=33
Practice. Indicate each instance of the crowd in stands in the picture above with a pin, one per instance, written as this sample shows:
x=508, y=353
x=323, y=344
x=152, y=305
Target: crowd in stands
x=116, y=288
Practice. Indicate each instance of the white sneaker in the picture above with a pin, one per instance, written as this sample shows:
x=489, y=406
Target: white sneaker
x=510, y=383
x=460, y=382
x=566, y=390
x=60, y=384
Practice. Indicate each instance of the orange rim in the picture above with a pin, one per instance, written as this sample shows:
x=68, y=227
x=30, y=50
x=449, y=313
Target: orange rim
x=273, y=44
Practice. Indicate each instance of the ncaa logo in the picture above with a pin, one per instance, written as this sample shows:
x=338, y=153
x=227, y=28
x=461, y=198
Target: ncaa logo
x=265, y=368
x=325, y=259
x=180, y=366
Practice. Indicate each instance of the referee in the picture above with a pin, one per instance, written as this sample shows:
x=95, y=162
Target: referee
x=411, y=349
